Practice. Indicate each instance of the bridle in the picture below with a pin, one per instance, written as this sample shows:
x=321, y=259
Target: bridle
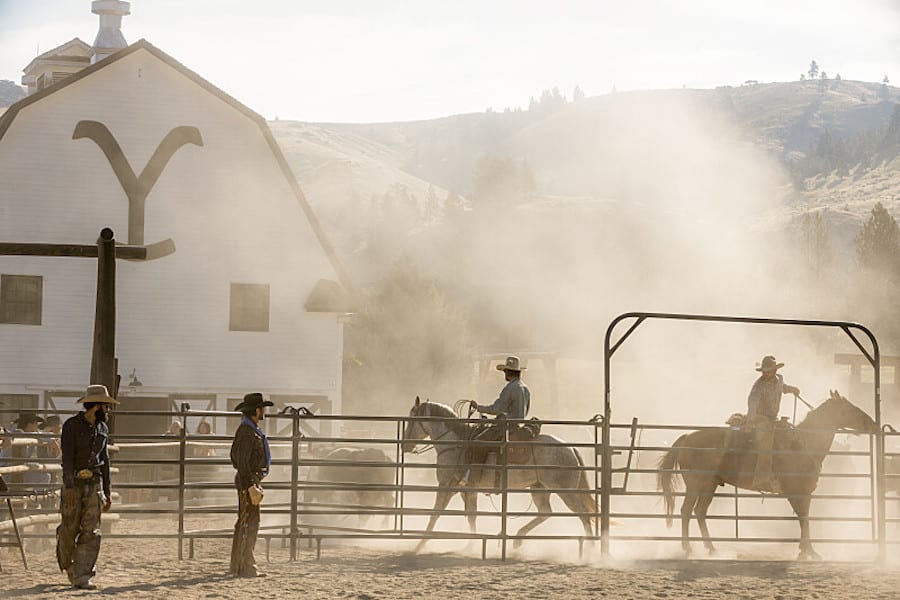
x=431, y=445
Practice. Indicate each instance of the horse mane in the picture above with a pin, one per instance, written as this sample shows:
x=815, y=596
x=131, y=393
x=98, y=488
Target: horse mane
x=813, y=419
x=810, y=421
x=457, y=426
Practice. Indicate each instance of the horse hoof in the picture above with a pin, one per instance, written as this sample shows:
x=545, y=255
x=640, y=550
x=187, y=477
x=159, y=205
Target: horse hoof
x=808, y=555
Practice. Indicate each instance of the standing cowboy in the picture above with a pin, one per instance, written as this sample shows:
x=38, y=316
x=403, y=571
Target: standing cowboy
x=763, y=405
x=86, y=490
x=251, y=457
x=513, y=403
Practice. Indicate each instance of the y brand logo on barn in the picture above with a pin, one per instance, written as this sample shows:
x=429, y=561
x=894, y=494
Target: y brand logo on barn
x=137, y=188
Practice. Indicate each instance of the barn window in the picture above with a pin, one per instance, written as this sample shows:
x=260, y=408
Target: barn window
x=21, y=299
x=249, y=307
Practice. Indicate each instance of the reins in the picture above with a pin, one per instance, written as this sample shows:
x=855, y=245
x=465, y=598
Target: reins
x=428, y=447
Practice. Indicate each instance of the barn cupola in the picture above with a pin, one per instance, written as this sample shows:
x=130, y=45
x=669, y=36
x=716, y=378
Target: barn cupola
x=109, y=36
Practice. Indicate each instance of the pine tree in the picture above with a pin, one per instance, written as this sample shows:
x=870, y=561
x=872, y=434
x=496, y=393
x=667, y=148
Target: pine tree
x=408, y=338
x=813, y=70
x=878, y=243
x=577, y=94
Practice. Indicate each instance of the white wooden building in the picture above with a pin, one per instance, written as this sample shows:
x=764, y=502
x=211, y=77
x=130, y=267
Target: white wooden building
x=252, y=298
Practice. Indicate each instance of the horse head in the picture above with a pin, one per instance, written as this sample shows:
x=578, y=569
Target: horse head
x=415, y=430
x=847, y=415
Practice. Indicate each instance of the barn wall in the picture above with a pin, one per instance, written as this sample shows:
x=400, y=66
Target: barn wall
x=226, y=205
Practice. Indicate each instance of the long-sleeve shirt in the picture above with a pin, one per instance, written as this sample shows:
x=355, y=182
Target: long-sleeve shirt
x=85, y=446
x=765, y=396
x=248, y=456
x=514, y=401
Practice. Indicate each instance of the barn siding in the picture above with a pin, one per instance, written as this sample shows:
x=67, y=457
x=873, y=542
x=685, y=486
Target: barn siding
x=227, y=206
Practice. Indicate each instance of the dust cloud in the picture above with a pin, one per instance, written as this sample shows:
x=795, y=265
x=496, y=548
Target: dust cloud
x=684, y=215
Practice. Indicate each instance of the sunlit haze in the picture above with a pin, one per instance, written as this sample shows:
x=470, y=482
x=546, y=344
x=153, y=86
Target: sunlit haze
x=370, y=61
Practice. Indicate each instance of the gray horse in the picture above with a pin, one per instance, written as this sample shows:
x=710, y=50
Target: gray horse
x=570, y=483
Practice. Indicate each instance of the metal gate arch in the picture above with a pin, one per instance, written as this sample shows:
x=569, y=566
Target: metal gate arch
x=609, y=348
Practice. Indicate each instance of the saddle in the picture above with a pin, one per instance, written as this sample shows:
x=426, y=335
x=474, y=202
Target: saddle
x=742, y=428
x=517, y=453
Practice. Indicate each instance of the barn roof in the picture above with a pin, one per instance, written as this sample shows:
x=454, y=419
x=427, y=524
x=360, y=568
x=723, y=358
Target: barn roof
x=73, y=50
x=7, y=118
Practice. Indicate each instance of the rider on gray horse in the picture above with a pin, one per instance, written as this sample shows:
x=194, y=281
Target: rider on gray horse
x=513, y=403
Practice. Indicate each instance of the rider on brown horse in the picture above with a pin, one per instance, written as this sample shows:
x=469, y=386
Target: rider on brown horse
x=513, y=403
x=763, y=405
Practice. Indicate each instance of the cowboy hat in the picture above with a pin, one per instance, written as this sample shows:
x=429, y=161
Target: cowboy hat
x=511, y=364
x=26, y=418
x=97, y=393
x=769, y=364
x=251, y=402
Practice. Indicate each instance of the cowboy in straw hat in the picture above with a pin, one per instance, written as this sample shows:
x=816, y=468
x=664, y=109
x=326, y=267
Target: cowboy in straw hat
x=86, y=486
x=513, y=403
x=763, y=405
x=251, y=457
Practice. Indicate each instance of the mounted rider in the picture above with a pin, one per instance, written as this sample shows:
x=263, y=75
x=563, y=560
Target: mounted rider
x=514, y=402
x=763, y=405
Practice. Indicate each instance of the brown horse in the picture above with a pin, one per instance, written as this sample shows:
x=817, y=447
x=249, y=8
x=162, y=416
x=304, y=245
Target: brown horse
x=705, y=462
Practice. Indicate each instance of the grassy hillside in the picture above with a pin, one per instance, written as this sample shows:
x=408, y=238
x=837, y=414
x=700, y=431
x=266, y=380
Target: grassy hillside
x=606, y=146
x=674, y=200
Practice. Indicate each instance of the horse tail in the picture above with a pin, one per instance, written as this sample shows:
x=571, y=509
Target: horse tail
x=665, y=477
x=588, y=498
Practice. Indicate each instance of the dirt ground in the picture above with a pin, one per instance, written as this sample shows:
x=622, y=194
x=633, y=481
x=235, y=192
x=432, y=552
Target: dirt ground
x=149, y=568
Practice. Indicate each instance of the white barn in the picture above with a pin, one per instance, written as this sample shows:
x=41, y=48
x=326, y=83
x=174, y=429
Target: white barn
x=253, y=296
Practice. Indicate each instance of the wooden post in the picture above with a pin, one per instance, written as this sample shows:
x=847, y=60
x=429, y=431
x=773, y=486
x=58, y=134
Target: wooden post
x=104, y=369
x=104, y=352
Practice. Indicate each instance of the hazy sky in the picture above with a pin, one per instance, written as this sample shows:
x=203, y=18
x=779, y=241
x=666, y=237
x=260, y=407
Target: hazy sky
x=377, y=60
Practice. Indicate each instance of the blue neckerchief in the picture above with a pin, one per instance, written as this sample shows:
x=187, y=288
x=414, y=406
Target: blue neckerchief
x=256, y=428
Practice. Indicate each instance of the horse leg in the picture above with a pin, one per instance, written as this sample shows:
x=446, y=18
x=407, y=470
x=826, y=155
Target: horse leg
x=470, y=500
x=542, y=504
x=800, y=503
x=704, y=499
x=687, y=507
x=580, y=502
x=441, y=500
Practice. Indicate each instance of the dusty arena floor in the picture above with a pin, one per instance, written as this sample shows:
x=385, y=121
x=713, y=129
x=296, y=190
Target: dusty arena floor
x=150, y=569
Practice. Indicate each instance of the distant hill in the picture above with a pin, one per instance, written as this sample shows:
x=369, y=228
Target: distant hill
x=10, y=92
x=595, y=148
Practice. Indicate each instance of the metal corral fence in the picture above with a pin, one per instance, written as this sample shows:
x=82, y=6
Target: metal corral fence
x=843, y=508
x=871, y=352
x=359, y=484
